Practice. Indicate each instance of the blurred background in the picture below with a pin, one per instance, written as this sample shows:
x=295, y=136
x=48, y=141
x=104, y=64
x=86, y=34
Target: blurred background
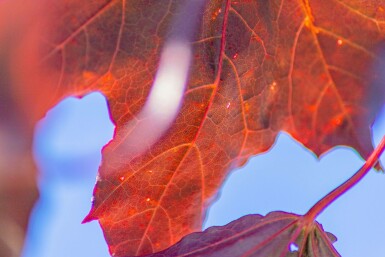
x=289, y=177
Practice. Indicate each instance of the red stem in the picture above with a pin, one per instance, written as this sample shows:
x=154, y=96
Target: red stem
x=333, y=195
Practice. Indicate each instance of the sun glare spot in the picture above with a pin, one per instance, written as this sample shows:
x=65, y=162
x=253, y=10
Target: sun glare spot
x=247, y=107
x=121, y=178
x=337, y=121
x=273, y=86
x=88, y=75
x=312, y=108
x=228, y=105
x=148, y=199
x=164, y=100
x=339, y=42
x=293, y=247
x=216, y=13
x=168, y=88
x=307, y=22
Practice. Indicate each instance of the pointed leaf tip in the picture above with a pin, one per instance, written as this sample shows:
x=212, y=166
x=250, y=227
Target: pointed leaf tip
x=89, y=218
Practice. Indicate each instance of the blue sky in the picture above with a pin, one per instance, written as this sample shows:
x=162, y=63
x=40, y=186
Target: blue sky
x=288, y=178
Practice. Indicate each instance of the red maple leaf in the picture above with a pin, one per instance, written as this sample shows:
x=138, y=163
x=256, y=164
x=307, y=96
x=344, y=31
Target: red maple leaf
x=258, y=67
x=277, y=234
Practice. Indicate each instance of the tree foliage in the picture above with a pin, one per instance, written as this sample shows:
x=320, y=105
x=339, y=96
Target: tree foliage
x=307, y=67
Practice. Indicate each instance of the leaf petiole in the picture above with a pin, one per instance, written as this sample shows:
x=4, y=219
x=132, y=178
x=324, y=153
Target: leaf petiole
x=347, y=185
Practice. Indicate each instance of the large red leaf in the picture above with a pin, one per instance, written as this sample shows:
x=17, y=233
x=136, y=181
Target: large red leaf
x=303, y=66
x=276, y=234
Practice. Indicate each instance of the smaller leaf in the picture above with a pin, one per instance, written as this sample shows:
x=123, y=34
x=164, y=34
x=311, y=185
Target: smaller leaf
x=278, y=234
